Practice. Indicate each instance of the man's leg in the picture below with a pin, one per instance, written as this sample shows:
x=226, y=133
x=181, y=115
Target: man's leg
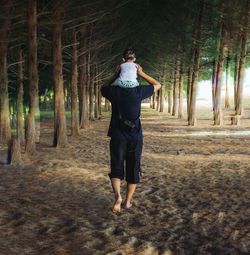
x=116, y=185
x=117, y=153
x=130, y=192
x=133, y=167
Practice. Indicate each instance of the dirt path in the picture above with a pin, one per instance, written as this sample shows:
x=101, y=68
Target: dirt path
x=193, y=199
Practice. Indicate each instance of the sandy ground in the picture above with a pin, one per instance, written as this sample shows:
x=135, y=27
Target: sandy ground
x=193, y=198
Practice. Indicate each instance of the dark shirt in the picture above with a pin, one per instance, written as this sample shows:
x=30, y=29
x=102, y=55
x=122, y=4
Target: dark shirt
x=129, y=100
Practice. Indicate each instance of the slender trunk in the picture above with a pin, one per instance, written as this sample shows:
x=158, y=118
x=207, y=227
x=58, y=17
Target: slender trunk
x=219, y=79
x=196, y=66
x=236, y=73
x=151, y=102
x=74, y=92
x=84, y=120
x=5, y=131
x=190, y=77
x=154, y=101
x=60, y=129
x=107, y=105
x=227, y=104
x=214, y=81
x=176, y=88
x=170, y=94
x=30, y=146
x=99, y=96
x=180, y=111
x=91, y=73
x=91, y=99
x=158, y=100
x=45, y=99
x=243, y=54
x=162, y=100
x=96, y=92
x=20, y=114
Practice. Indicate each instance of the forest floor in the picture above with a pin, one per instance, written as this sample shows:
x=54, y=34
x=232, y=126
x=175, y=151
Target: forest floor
x=193, y=197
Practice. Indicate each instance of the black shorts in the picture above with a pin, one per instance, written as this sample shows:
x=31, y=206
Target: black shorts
x=128, y=153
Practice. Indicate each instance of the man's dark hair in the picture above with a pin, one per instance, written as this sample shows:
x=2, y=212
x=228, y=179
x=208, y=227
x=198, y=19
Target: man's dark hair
x=128, y=54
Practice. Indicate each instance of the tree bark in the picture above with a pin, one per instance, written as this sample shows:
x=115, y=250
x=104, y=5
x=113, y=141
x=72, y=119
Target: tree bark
x=107, y=105
x=170, y=94
x=60, y=131
x=243, y=54
x=154, y=100
x=30, y=146
x=83, y=98
x=20, y=113
x=74, y=92
x=176, y=88
x=219, y=79
x=5, y=131
x=180, y=111
x=90, y=75
x=162, y=99
x=236, y=74
x=14, y=152
x=214, y=81
x=196, y=65
x=99, y=99
x=190, y=77
x=96, y=96
x=227, y=103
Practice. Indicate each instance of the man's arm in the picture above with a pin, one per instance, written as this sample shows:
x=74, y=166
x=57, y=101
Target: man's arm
x=148, y=78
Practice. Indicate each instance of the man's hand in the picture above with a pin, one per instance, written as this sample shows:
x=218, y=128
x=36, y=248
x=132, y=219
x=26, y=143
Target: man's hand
x=139, y=69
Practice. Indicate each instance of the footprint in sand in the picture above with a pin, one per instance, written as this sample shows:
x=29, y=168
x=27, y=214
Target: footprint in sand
x=149, y=191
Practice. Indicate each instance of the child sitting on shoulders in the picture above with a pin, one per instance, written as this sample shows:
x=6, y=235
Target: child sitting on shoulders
x=127, y=71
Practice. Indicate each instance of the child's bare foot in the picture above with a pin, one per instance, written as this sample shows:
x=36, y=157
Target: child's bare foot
x=117, y=205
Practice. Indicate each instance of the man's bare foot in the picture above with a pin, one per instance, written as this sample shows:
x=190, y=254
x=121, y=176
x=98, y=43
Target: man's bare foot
x=117, y=205
x=127, y=205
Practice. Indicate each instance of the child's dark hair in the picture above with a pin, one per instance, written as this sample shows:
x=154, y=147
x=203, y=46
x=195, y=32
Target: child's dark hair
x=129, y=54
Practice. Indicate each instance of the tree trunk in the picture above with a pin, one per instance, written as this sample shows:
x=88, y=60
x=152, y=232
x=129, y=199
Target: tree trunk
x=45, y=99
x=30, y=145
x=84, y=120
x=158, y=100
x=107, y=105
x=99, y=97
x=190, y=77
x=20, y=114
x=219, y=79
x=162, y=99
x=214, y=81
x=60, y=131
x=74, y=92
x=236, y=74
x=196, y=65
x=170, y=94
x=5, y=131
x=176, y=88
x=180, y=111
x=243, y=54
x=14, y=152
x=96, y=92
x=227, y=103
x=154, y=100
x=151, y=102
x=91, y=84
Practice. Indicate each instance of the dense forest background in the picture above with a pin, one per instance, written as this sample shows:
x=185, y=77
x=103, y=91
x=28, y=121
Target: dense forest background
x=57, y=54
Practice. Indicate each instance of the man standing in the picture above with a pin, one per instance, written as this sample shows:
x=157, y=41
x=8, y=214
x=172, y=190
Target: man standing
x=126, y=134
